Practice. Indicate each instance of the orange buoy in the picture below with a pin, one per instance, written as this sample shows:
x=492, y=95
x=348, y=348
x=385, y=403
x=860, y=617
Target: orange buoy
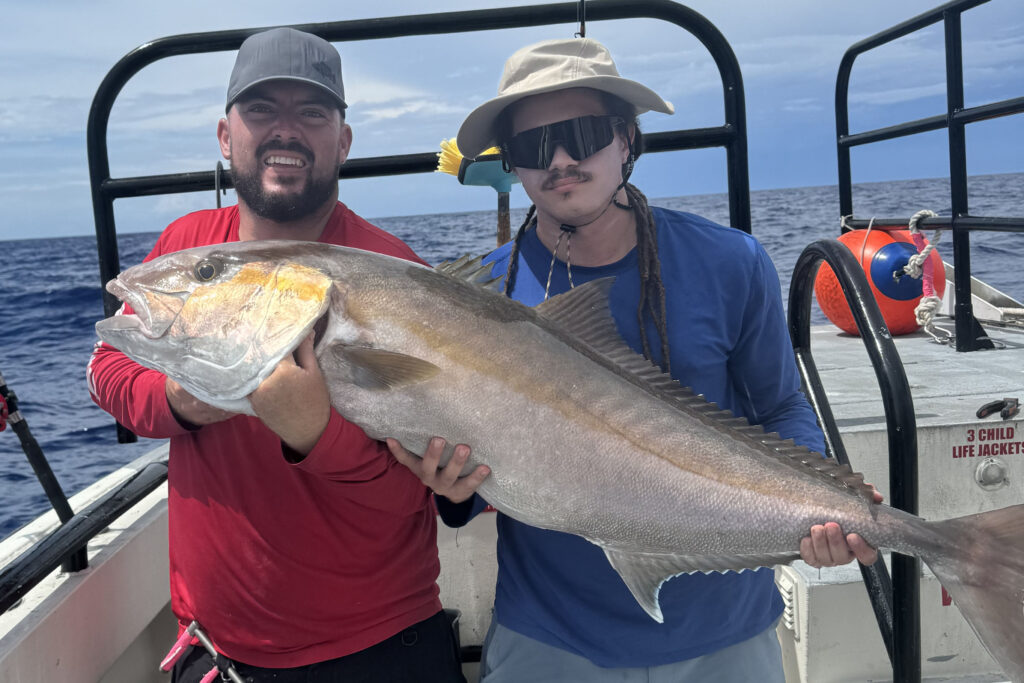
x=882, y=255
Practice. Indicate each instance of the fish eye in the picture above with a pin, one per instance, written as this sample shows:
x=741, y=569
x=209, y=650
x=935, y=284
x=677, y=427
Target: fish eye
x=207, y=269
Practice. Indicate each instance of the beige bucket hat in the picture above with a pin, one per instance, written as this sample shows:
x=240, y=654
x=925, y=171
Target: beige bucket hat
x=546, y=67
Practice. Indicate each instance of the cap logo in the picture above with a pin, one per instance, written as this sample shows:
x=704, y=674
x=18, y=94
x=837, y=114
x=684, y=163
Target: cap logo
x=324, y=70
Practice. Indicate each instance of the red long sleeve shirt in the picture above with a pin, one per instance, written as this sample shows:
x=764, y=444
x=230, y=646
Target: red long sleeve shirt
x=282, y=564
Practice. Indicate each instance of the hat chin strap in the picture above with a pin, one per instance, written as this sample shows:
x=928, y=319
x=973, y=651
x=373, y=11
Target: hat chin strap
x=567, y=231
x=627, y=170
x=612, y=201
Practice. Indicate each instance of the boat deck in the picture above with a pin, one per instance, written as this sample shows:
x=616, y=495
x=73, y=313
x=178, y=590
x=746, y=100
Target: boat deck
x=955, y=447
x=966, y=464
x=947, y=386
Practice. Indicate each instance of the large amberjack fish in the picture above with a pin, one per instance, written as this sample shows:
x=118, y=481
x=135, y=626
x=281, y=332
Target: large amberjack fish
x=581, y=434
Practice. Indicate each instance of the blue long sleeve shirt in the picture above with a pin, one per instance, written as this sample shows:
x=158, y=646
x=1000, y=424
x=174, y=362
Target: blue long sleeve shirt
x=728, y=340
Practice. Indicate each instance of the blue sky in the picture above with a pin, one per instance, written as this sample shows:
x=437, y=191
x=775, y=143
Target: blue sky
x=406, y=95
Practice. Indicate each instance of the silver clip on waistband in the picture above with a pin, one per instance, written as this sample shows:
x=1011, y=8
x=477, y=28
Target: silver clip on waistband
x=194, y=631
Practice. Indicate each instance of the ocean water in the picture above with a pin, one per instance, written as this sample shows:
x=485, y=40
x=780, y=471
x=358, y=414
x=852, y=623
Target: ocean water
x=51, y=301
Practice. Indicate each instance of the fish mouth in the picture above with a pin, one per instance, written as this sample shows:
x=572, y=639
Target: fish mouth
x=121, y=323
x=154, y=311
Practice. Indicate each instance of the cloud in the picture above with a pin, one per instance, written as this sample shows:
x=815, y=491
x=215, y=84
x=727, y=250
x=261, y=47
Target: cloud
x=408, y=93
x=466, y=72
x=42, y=116
x=792, y=58
x=894, y=95
x=362, y=90
x=803, y=104
x=43, y=185
x=400, y=109
x=187, y=115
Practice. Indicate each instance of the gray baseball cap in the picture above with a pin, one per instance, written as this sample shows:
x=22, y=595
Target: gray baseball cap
x=286, y=54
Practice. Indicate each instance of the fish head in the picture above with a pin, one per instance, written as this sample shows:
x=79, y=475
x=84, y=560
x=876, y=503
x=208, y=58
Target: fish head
x=218, y=319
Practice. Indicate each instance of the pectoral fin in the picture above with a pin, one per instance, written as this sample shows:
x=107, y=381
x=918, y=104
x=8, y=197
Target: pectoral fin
x=378, y=369
x=644, y=573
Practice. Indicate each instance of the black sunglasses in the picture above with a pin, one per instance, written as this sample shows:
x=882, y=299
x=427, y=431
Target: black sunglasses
x=581, y=137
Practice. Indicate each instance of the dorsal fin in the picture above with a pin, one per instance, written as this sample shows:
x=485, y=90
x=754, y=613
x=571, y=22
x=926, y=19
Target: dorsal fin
x=583, y=312
x=472, y=269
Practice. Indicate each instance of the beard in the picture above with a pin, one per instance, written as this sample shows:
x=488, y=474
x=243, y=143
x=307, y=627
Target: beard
x=283, y=207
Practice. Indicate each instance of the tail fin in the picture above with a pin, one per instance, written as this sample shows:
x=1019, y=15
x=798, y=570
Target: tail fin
x=984, y=573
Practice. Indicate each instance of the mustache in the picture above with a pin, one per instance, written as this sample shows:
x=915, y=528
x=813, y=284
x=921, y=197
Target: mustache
x=277, y=145
x=571, y=172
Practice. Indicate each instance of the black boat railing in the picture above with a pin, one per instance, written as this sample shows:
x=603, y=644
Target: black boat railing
x=969, y=334
x=731, y=135
x=896, y=608
x=895, y=601
x=68, y=540
x=43, y=557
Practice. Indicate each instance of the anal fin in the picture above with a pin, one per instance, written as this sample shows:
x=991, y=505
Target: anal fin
x=643, y=573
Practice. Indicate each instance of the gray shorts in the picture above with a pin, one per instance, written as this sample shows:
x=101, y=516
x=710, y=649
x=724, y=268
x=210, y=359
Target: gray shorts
x=510, y=657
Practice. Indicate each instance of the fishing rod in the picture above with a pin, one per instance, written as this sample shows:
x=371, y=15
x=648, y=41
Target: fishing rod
x=10, y=414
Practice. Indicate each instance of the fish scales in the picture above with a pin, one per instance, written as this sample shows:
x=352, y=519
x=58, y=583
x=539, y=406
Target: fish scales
x=627, y=440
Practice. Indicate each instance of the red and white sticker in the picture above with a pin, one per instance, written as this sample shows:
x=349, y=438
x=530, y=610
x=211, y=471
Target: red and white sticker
x=987, y=442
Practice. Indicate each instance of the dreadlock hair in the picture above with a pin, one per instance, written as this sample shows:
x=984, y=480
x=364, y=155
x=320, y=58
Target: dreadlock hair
x=652, y=290
x=513, y=262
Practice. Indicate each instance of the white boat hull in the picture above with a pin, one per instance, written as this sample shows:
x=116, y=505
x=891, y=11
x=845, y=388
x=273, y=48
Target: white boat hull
x=112, y=621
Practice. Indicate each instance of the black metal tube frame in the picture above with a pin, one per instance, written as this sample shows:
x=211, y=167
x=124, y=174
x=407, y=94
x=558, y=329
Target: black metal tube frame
x=969, y=334
x=732, y=135
x=39, y=561
x=987, y=223
x=896, y=604
x=42, y=558
x=32, y=567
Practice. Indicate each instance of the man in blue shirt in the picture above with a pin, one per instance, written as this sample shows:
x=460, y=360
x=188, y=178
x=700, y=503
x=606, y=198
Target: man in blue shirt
x=700, y=300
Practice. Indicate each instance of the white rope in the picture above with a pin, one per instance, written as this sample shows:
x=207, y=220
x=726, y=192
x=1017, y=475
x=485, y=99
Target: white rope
x=864, y=243
x=925, y=313
x=915, y=264
x=926, y=308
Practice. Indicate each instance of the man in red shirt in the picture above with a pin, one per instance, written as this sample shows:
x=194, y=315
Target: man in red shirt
x=300, y=546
